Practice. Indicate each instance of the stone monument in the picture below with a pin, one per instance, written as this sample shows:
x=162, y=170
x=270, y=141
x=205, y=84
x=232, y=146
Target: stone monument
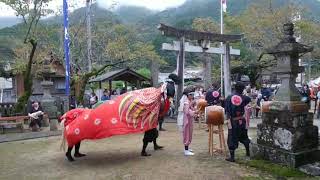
x=287, y=134
x=48, y=102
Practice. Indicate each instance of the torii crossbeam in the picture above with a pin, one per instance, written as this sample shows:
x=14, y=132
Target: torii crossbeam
x=196, y=35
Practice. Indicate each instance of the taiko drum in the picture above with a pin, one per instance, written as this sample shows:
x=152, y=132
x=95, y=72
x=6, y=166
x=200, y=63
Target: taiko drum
x=215, y=115
x=201, y=105
x=266, y=106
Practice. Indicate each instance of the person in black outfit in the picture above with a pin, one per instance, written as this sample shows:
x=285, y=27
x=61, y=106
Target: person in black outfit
x=36, y=120
x=77, y=153
x=213, y=96
x=306, y=95
x=237, y=130
x=150, y=136
x=170, y=90
x=259, y=99
x=153, y=134
x=266, y=93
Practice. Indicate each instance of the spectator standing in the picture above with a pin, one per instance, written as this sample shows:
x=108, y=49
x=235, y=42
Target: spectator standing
x=266, y=92
x=123, y=91
x=306, y=94
x=258, y=105
x=93, y=99
x=105, y=96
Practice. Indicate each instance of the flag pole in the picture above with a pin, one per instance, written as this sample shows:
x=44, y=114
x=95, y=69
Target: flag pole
x=221, y=56
x=66, y=47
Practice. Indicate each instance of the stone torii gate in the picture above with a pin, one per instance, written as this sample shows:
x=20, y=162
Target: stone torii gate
x=199, y=49
x=204, y=39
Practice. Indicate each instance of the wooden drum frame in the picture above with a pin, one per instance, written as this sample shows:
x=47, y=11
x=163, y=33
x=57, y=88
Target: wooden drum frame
x=219, y=122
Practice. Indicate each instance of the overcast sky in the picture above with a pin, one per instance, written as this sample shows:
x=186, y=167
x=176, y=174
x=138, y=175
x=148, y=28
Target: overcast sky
x=151, y=4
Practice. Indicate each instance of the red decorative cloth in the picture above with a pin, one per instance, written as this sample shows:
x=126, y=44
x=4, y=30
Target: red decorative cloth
x=165, y=108
x=133, y=112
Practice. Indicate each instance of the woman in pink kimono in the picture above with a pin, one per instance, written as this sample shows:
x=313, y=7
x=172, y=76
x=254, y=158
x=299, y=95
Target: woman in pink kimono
x=188, y=115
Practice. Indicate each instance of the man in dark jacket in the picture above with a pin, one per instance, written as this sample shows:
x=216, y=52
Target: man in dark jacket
x=266, y=93
x=237, y=126
x=213, y=96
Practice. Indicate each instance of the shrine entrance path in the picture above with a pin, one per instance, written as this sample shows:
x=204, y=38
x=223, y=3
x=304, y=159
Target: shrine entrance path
x=119, y=158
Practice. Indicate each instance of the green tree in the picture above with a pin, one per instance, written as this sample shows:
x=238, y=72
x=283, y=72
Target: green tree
x=31, y=11
x=145, y=72
x=262, y=24
x=122, y=48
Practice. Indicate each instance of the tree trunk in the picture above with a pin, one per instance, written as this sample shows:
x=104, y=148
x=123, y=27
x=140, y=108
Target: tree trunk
x=207, y=66
x=79, y=85
x=154, y=73
x=28, y=80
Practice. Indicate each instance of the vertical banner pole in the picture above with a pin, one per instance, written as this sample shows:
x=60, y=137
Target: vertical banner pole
x=66, y=46
x=66, y=51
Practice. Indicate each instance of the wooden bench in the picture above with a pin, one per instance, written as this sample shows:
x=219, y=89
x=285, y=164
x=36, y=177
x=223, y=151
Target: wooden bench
x=17, y=121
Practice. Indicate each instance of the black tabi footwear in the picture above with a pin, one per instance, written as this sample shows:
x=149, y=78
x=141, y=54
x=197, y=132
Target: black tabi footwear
x=162, y=129
x=158, y=147
x=230, y=160
x=145, y=154
x=78, y=155
x=69, y=157
x=247, y=151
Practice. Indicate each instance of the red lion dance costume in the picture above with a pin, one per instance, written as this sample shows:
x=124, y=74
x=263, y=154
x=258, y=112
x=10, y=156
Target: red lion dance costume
x=133, y=112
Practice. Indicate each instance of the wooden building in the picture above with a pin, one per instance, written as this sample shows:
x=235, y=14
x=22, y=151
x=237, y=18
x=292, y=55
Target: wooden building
x=58, y=78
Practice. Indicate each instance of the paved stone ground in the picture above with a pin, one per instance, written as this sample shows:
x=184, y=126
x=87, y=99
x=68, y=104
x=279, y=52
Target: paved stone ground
x=119, y=158
x=9, y=137
x=15, y=135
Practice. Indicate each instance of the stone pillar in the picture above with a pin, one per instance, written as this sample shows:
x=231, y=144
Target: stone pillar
x=49, y=105
x=180, y=70
x=226, y=70
x=207, y=66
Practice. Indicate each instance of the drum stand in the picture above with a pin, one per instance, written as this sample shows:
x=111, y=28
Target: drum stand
x=220, y=132
x=201, y=120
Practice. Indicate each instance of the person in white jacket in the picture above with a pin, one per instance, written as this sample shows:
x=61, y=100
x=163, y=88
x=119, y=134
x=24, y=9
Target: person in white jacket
x=180, y=112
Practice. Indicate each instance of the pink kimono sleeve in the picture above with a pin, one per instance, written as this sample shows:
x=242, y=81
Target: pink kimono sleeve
x=187, y=110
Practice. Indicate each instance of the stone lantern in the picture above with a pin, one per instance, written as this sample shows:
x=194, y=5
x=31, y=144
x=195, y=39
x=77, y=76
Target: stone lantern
x=287, y=134
x=48, y=103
